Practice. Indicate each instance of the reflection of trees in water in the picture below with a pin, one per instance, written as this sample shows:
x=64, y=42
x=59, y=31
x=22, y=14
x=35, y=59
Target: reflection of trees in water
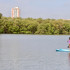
x=0, y=46
x=0, y=41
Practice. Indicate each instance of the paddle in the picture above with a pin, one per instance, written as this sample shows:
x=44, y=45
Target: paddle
x=67, y=46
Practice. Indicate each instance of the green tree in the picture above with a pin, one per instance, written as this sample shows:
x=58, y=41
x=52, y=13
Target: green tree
x=0, y=15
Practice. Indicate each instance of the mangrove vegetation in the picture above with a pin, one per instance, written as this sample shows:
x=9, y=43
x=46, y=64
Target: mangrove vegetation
x=34, y=26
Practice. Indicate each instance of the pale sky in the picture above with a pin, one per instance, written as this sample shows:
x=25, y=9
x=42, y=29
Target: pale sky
x=54, y=9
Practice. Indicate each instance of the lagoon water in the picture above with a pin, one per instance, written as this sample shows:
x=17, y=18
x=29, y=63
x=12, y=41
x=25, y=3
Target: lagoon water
x=33, y=52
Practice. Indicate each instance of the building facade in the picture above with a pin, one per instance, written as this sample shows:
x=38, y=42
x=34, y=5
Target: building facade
x=15, y=12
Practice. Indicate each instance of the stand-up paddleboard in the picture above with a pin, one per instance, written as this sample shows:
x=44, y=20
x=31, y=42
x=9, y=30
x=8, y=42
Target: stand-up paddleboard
x=63, y=50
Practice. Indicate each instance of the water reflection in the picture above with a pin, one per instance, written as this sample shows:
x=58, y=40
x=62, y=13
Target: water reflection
x=69, y=58
x=29, y=52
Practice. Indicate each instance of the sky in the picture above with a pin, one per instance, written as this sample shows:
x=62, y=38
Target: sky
x=53, y=9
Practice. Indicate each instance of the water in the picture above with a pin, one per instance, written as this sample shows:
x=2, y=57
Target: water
x=33, y=52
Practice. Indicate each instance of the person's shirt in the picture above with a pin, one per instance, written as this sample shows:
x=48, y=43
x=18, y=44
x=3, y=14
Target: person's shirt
x=69, y=41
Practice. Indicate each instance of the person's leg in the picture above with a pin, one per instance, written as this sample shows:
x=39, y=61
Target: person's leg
x=69, y=45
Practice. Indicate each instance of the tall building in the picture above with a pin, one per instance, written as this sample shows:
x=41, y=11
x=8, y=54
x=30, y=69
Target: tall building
x=15, y=12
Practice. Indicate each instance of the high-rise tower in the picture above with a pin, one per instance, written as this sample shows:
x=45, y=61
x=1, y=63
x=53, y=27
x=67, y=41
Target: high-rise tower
x=15, y=12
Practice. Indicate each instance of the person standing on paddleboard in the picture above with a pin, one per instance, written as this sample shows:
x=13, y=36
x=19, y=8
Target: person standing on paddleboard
x=69, y=42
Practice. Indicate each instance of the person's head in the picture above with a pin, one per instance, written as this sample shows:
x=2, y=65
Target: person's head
x=69, y=38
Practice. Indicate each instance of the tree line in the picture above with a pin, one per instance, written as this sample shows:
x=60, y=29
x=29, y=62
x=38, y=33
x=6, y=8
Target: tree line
x=34, y=26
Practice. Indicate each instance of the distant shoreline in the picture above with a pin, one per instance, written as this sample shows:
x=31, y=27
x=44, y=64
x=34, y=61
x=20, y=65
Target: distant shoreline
x=34, y=26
